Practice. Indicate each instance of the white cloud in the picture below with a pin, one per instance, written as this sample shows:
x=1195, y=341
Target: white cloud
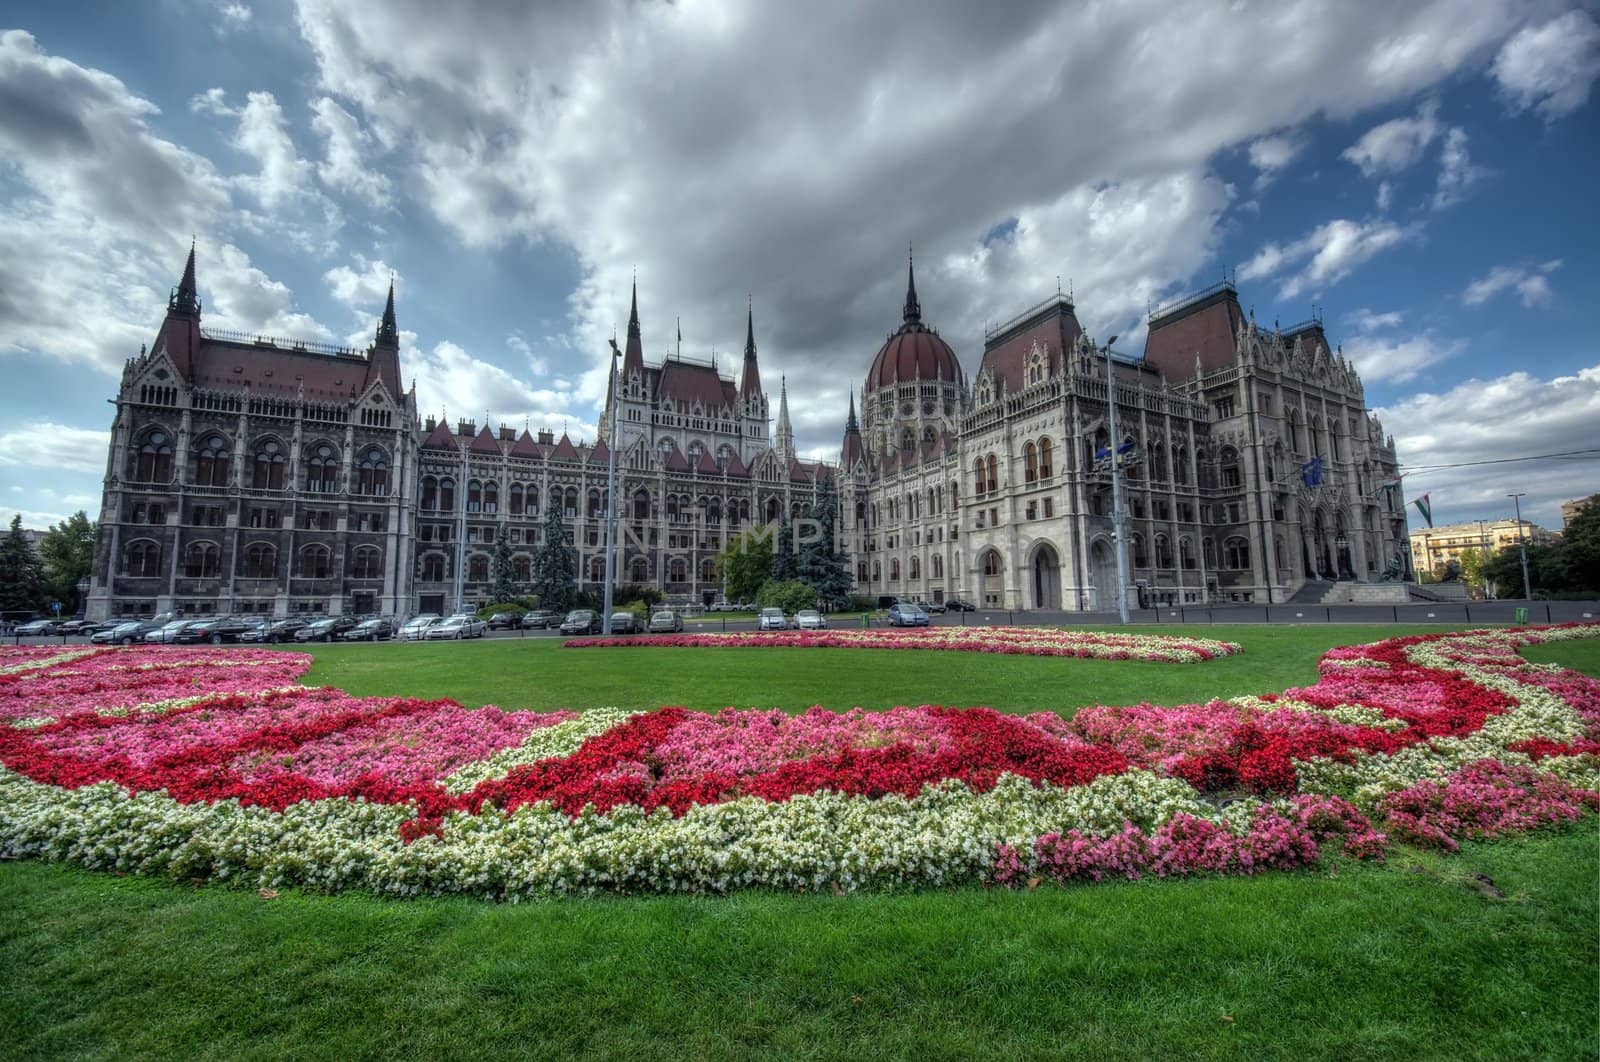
x=1366, y=321
x=1550, y=68
x=264, y=135
x=1270, y=154
x=346, y=143
x=234, y=16
x=44, y=444
x=1531, y=283
x=1329, y=253
x=1385, y=195
x=1388, y=359
x=1516, y=415
x=449, y=378
x=1457, y=174
x=1397, y=144
x=363, y=288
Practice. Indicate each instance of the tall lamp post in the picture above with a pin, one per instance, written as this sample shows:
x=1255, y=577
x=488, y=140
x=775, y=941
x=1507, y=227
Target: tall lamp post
x=1116, y=489
x=611, y=488
x=1522, y=544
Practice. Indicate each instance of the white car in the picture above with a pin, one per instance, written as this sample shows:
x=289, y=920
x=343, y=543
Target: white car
x=416, y=628
x=772, y=619
x=457, y=627
x=809, y=619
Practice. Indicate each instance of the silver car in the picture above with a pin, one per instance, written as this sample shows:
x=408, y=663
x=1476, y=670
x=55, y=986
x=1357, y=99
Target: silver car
x=416, y=628
x=809, y=619
x=772, y=619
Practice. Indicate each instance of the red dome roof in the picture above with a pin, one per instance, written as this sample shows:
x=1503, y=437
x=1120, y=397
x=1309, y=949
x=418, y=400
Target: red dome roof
x=910, y=354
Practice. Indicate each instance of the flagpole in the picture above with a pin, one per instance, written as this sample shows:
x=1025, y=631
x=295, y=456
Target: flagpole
x=1116, y=489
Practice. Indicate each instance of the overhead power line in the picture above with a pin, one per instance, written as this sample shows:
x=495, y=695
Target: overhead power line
x=1564, y=455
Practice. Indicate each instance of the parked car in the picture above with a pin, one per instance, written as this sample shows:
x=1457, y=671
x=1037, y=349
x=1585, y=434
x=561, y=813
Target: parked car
x=905, y=614
x=125, y=633
x=73, y=626
x=503, y=621
x=38, y=628
x=325, y=630
x=581, y=621
x=772, y=619
x=625, y=623
x=930, y=607
x=540, y=619
x=372, y=630
x=955, y=604
x=665, y=622
x=416, y=628
x=216, y=631
x=809, y=619
x=167, y=633
x=461, y=625
x=276, y=631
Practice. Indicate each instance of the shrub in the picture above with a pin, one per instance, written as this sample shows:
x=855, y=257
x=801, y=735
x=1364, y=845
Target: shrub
x=791, y=595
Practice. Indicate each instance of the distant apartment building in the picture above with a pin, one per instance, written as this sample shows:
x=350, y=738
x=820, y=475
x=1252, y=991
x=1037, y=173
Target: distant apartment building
x=1434, y=547
x=1570, y=509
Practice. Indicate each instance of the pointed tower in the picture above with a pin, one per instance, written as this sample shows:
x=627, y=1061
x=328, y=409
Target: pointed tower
x=850, y=452
x=383, y=357
x=179, y=337
x=750, y=377
x=913, y=308
x=633, y=355
x=785, y=445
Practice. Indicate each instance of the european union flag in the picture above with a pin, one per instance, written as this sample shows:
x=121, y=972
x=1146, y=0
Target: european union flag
x=1311, y=472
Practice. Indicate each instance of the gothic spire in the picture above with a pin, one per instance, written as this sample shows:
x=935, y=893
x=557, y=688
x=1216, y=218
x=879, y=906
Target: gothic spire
x=633, y=356
x=913, y=308
x=750, y=329
x=184, y=298
x=750, y=376
x=785, y=431
x=850, y=423
x=387, y=331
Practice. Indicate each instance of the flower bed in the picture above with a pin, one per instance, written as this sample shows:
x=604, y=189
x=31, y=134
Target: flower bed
x=1027, y=641
x=212, y=764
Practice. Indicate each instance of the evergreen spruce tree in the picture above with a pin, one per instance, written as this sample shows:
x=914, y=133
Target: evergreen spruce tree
x=504, y=587
x=822, y=567
x=555, y=567
x=21, y=574
x=785, y=568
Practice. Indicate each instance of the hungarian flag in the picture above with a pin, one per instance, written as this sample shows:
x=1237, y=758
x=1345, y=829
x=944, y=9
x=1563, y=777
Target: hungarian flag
x=1311, y=472
x=1425, y=509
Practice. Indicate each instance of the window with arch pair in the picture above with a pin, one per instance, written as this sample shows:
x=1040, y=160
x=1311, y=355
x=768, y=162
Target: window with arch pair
x=211, y=462
x=1038, y=461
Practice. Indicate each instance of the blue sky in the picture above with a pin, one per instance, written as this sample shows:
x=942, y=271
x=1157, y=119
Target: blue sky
x=1422, y=175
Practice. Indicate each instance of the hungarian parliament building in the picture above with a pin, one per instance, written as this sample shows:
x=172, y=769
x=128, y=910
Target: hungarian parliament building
x=268, y=476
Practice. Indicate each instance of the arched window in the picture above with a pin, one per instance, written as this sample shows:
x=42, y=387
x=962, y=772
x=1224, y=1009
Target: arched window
x=200, y=561
x=322, y=469
x=515, y=499
x=772, y=510
x=447, y=495
x=433, y=568
x=569, y=502
x=1030, y=463
x=491, y=497
x=1294, y=432
x=153, y=463
x=597, y=569
x=478, y=568
x=1186, y=553
x=367, y=563
x=641, y=505
x=143, y=558
x=708, y=571
x=1236, y=553
x=1046, y=461
x=916, y=568
x=211, y=462
x=938, y=566
x=373, y=475
x=1230, y=467
x=1163, y=552
x=474, y=496
x=267, y=467
x=430, y=493
x=1180, y=465
x=522, y=568
x=533, y=501
x=978, y=479
x=993, y=468
x=1208, y=551
x=594, y=510
x=877, y=572
x=678, y=570
x=259, y=561
x=1141, y=555
x=639, y=570
x=316, y=562
x=894, y=568
x=991, y=563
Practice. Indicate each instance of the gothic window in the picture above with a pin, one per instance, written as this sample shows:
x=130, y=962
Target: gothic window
x=447, y=495
x=641, y=505
x=373, y=476
x=894, y=568
x=1030, y=463
x=1294, y=432
x=1236, y=553
x=259, y=562
x=533, y=501
x=639, y=570
x=1230, y=467
x=478, y=568
x=1180, y=466
x=491, y=497
x=522, y=568
x=154, y=459
x=916, y=568
x=1186, y=553
x=211, y=462
x=1163, y=552
x=367, y=563
x=267, y=466
x=514, y=501
x=569, y=502
x=433, y=568
x=430, y=493
x=1208, y=552
x=595, y=508
x=143, y=558
x=322, y=469
x=1128, y=458
x=200, y=561
x=1036, y=366
x=938, y=566
x=1046, y=466
x=678, y=570
x=991, y=563
x=597, y=569
x=955, y=495
x=474, y=496
x=1141, y=556
x=992, y=466
x=316, y=562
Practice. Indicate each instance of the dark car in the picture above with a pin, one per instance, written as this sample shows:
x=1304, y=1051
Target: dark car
x=625, y=623
x=215, y=631
x=372, y=630
x=955, y=604
x=581, y=621
x=75, y=626
x=905, y=614
x=540, y=619
x=325, y=630
x=274, y=631
x=503, y=621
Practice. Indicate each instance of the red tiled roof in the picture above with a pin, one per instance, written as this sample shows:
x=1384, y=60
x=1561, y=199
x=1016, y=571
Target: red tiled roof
x=913, y=353
x=439, y=438
x=600, y=454
x=707, y=464
x=736, y=467
x=1205, y=327
x=1055, y=328
x=564, y=450
x=689, y=382
x=525, y=446
x=278, y=370
x=675, y=461
x=486, y=443
x=798, y=473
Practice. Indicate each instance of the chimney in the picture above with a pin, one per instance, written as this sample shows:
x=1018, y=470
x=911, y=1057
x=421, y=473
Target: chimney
x=466, y=428
x=507, y=434
x=547, y=437
x=429, y=424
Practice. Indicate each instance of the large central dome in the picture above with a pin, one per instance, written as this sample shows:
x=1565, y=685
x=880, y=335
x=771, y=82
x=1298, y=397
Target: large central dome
x=915, y=352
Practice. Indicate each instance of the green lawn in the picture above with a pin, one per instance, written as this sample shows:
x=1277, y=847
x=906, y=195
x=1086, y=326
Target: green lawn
x=1491, y=953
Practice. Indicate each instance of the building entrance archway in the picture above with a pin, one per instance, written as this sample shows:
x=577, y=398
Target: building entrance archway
x=1103, y=571
x=1046, y=577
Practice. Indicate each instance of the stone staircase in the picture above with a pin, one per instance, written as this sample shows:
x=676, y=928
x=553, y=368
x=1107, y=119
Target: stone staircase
x=1349, y=592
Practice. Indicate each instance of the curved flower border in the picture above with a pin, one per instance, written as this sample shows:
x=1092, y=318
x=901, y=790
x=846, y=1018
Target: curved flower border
x=1427, y=739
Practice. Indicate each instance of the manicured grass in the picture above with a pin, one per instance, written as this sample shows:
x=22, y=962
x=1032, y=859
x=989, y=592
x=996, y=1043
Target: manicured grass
x=1490, y=953
x=538, y=673
x=1416, y=958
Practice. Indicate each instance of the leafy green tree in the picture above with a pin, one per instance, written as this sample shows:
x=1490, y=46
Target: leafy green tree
x=822, y=566
x=1580, y=548
x=555, y=565
x=22, y=586
x=503, y=587
x=744, y=565
x=791, y=596
x=1472, y=565
x=67, y=550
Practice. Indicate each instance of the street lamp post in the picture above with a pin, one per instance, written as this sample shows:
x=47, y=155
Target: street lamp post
x=1522, y=544
x=611, y=490
x=1116, y=488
